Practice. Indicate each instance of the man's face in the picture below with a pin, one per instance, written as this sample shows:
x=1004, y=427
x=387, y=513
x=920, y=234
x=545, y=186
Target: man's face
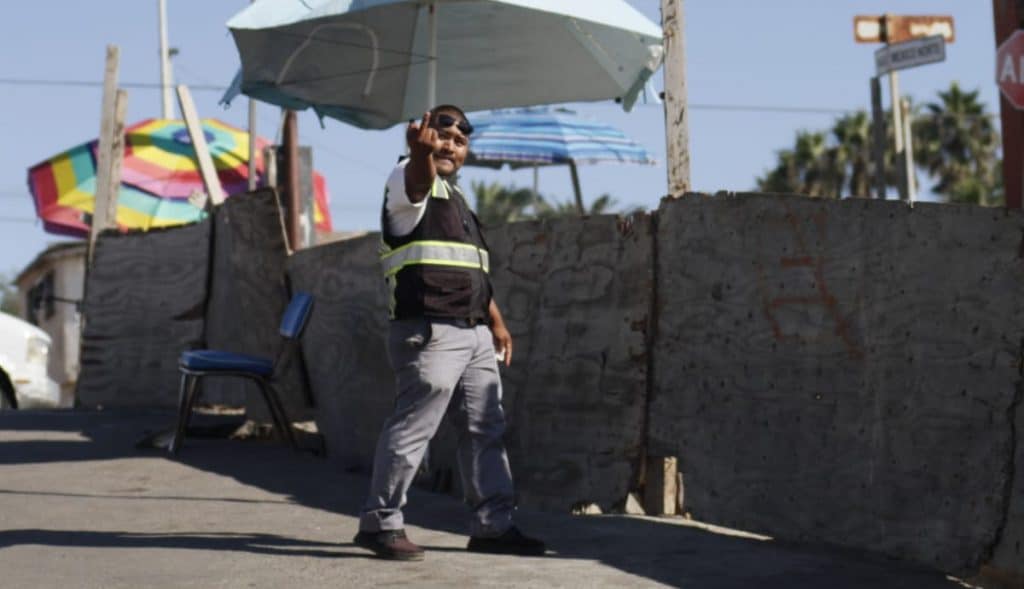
x=452, y=146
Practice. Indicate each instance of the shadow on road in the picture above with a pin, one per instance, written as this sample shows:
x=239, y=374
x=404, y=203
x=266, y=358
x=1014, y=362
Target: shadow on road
x=269, y=544
x=660, y=550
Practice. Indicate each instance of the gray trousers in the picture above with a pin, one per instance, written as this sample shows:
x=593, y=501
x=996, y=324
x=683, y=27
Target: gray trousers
x=443, y=367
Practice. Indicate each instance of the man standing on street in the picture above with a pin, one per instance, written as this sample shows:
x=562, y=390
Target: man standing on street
x=444, y=335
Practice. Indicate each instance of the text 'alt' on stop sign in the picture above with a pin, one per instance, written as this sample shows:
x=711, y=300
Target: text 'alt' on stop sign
x=1010, y=69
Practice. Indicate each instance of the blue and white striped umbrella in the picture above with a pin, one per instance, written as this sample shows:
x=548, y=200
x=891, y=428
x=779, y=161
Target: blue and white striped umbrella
x=541, y=136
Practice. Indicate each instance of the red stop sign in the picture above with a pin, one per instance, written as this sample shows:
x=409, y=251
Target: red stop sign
x=1010, y=69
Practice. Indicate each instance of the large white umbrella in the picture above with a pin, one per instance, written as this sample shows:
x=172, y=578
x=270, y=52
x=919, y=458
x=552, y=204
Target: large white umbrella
x=374, y=63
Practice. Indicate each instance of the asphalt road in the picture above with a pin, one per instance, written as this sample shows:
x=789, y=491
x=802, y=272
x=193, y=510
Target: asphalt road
x=80, y=506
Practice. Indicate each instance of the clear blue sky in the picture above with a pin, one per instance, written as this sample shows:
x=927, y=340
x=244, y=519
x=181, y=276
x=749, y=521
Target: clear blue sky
x=784, y=53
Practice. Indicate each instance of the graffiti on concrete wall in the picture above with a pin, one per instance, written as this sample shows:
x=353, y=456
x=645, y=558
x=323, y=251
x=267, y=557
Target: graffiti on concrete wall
x=815, y=296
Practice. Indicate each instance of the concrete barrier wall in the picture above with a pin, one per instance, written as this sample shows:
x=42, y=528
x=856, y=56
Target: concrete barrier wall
x=843, y=371
x=217, y=284
x=143, y=306
x=343, y=345
x=248, y=295
x=575, y=296
x=847, y=372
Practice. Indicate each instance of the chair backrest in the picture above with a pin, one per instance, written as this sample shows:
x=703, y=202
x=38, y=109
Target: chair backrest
x=296, y=314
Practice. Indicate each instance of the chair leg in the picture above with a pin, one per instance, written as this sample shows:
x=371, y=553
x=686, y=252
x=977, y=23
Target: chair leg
x=185, y=392
x=278, y=414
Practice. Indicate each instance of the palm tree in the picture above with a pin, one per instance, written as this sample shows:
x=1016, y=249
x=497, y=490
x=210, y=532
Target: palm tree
x=956, y=142
x=852, y=134
x=497, y=204
x=601, y=205
x=808, y=168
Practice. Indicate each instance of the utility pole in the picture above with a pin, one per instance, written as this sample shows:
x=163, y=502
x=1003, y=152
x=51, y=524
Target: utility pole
x=1009, y=17
x=677, y=128
x=897, y=115
x=165, y=63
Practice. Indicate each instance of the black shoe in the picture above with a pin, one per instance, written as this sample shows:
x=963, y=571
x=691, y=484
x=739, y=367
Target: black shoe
x=389, y=544
x=511, y=542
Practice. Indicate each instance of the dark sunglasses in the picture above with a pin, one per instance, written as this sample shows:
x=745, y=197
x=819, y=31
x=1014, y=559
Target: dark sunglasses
x=444, y=121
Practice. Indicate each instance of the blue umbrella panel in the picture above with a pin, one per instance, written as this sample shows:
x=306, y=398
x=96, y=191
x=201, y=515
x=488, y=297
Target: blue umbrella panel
x=538, y=137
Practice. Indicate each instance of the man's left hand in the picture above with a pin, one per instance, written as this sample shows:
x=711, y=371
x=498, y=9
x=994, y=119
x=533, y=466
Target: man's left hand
x=502, y=342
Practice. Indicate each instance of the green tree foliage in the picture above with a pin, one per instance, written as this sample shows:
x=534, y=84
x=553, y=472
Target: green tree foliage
x=955, y=143
x=829, y=164
x=603, y=204
x=497, y=204
x=8, y=296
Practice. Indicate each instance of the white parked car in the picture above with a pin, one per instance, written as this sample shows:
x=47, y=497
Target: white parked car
x=24, y=354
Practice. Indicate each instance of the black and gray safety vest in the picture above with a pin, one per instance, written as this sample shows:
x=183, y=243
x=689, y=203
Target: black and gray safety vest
x=440, y=269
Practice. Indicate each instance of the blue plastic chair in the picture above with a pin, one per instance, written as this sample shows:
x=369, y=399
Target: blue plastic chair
x=195, y=364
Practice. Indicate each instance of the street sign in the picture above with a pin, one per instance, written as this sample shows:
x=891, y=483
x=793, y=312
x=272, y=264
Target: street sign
x=873, y=28
x=909, y=54
x=1009, y=70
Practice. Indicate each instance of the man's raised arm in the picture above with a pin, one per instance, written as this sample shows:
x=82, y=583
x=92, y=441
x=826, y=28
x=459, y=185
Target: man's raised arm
x=420, y=172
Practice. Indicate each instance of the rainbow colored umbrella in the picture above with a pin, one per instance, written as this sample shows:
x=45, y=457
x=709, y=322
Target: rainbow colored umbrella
x=158, y=175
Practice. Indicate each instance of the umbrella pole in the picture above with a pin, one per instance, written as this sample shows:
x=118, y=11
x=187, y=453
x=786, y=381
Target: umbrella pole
x=536, y=191
x=432, y=65
x=576, y=188
x=252, y=141
x=252, y=145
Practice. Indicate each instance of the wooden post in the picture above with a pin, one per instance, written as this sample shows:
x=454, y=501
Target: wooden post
x=104, y=149
x=105, y=211
x=878, y=137
x=577, y=193
x=661, y=485
x=1009, y=17
x=293, y=202
x=195, y=132
x=677, y=128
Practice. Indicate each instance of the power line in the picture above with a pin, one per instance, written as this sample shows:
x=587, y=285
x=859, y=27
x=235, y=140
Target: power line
x=752, y=108
x=92, y=84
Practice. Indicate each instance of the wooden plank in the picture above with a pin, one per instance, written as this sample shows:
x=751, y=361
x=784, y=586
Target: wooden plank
x=195, y=132
x=677, y=127
x=105, y=213
x=106, y=141
x=661, y=485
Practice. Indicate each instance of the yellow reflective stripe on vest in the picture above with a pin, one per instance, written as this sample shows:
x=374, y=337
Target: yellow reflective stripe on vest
x=438, y=253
